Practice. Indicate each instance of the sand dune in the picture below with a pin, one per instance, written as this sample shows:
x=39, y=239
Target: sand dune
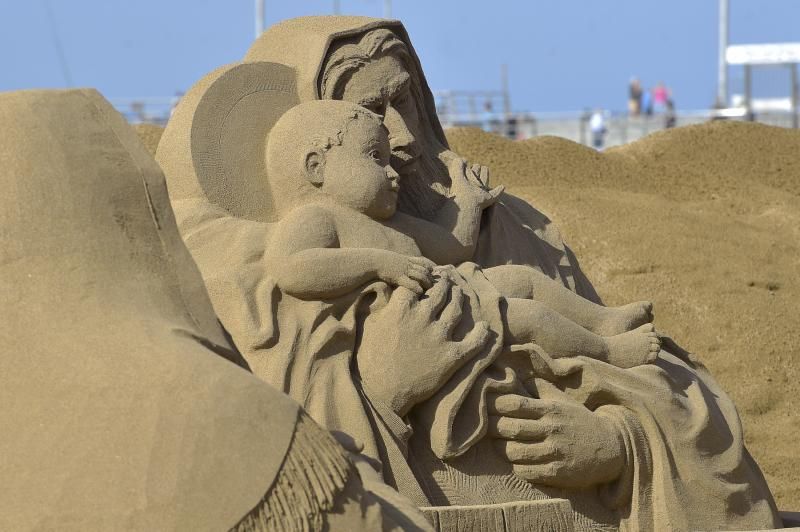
x=149, y=134
x=705, y=221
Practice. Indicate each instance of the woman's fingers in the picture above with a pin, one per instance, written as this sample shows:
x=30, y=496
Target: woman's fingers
x=412, y=284
x=451, y=314
x=512, y=428
x=436, y=300
x=463, y=351
x=477, y=338
x=528, y=453
x=401, y=303
x=518, y=406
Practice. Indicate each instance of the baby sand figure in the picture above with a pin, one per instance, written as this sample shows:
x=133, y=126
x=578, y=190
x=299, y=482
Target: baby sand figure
x=342, y=231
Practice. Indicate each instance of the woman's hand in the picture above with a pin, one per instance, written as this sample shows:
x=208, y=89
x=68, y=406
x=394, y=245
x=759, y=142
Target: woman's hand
x=470, y=186
x=556, y=441
x=407, y=351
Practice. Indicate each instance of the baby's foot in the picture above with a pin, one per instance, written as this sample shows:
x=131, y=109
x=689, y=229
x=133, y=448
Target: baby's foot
x=618, y=320
x=634, y=348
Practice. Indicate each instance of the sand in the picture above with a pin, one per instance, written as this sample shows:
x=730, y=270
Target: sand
x=705, y=221
x=149, y=134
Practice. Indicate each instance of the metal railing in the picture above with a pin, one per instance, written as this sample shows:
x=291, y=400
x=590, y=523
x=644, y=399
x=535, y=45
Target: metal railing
x=146, y=110
x=574, y=125
x=620, y=128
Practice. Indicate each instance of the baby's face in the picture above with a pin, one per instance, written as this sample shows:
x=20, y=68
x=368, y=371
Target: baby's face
x=358, y=173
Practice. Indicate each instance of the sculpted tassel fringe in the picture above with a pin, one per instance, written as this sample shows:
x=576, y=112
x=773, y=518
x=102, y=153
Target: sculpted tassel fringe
x=314, y=473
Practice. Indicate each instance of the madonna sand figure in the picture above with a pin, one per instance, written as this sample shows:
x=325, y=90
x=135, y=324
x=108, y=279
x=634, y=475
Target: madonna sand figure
x=120, y=410
x=652, y=447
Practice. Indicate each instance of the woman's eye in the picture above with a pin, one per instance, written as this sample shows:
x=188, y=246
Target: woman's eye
x=375, y=154
x=401, y=99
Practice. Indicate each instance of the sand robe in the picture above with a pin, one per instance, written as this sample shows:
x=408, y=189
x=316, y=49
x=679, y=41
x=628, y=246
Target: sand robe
x=119, y=408
x=686, y=464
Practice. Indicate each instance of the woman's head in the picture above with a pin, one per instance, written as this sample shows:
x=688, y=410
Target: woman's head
x=375, y=70
x=373, y=73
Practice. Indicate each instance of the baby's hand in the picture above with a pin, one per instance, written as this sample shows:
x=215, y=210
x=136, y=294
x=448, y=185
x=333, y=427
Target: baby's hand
x=414, y=273
x=470, y=186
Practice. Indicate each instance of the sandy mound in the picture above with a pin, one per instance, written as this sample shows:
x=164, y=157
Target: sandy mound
x=540, y=161
x=715, y=158
x=149, y=134
x=705, y=221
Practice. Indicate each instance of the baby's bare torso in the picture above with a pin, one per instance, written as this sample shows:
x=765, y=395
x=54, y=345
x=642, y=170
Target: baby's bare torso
x=357, y=230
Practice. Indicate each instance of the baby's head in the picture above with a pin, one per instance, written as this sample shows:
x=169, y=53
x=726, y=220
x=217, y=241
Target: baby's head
x=338, y=148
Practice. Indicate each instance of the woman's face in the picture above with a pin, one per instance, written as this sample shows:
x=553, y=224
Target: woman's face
x=384, y=87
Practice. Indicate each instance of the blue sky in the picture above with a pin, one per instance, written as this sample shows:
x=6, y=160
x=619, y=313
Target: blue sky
x=561, y=54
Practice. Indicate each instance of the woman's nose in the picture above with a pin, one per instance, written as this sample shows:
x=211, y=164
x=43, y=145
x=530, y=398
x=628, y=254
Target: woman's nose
x=400, y=136
x=391, y=173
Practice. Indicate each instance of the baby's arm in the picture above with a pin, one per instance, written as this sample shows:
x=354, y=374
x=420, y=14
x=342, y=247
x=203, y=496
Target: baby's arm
x=305, y=258
x=435, y=242
x=451, y=238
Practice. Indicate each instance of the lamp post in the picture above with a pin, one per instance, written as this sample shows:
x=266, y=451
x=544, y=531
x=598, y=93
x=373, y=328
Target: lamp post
x=722, y=65
x=259, y=17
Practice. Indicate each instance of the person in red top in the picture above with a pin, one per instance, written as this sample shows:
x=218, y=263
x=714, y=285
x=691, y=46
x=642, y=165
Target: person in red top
x=660, y=97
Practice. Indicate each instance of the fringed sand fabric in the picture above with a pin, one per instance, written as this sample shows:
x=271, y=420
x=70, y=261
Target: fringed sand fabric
x=314, y=474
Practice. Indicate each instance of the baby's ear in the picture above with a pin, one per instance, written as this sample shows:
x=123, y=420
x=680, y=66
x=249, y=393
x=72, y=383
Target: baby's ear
x=315, y=164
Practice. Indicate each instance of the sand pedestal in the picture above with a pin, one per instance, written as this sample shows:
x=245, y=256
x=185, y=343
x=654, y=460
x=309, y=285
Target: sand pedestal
x=547, y=515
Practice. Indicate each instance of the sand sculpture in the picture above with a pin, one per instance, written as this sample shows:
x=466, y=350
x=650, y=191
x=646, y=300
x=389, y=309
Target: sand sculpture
x=330, y=162
x=575, y=442
x=125, y=406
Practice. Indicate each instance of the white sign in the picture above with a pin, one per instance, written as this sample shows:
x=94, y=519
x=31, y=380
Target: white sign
x=763, y=54
x=764, y=105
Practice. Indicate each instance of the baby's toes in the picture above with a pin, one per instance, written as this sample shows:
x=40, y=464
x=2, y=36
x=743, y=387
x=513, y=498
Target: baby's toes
x=655, y=345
